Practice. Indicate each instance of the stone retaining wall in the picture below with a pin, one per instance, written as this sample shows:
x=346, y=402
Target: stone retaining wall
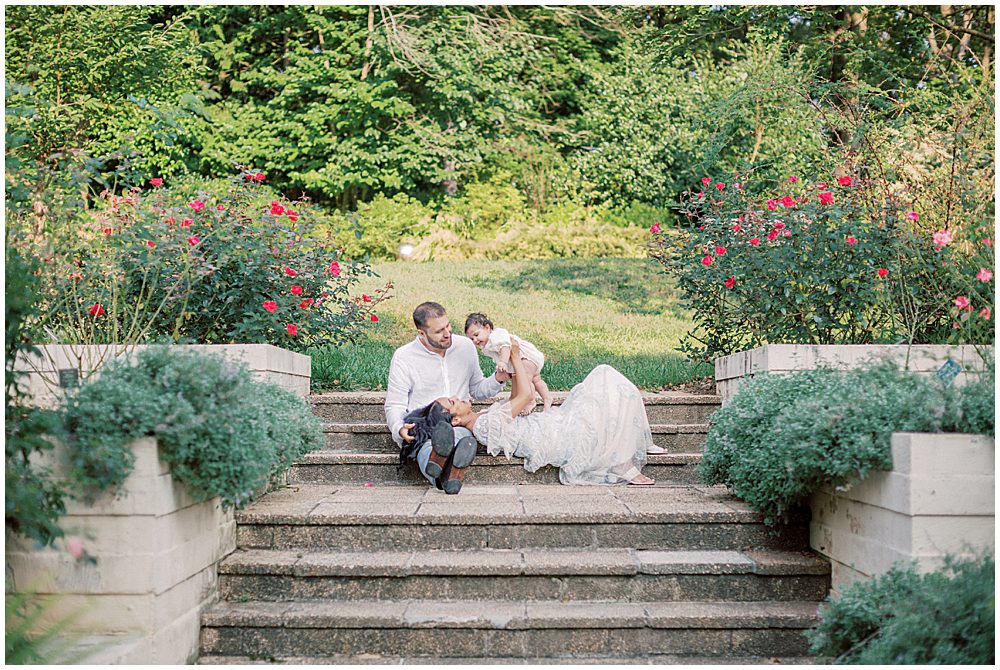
x=780, y=358
x=266, y=362
x=937, y=500
x=156, y=551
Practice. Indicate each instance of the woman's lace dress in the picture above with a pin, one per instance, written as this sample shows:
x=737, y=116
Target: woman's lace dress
x=599, y=435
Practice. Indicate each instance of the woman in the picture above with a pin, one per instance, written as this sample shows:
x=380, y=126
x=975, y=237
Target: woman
x=599, y=435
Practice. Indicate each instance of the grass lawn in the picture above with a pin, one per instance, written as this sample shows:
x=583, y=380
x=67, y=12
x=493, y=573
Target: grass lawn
x=578, y=312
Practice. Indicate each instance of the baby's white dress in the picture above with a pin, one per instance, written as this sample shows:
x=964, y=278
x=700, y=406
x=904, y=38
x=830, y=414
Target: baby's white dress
x=599, y=435
x=500, y=338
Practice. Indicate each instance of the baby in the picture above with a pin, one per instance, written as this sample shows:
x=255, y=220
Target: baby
x=495, y=343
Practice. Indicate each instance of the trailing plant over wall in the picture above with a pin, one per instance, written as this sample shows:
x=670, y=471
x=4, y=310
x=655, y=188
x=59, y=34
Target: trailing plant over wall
x=783, y=437
x=945, y=617
x=222, y=433
x=34, y=499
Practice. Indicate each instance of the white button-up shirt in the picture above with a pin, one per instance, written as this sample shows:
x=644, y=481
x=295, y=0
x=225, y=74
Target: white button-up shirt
x=418, y=377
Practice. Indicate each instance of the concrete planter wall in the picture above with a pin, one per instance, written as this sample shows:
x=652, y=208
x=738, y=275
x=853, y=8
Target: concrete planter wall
x=156, y=551
x=937, y=500
x=268, y=363
x=779, y=358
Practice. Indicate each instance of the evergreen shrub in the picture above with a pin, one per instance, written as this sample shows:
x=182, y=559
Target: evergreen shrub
x=222, y=433
x=783, y=437
x=947, y=617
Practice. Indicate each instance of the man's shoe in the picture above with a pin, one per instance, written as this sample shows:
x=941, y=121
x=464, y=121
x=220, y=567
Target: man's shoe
x=442, y=445
x=465, y=453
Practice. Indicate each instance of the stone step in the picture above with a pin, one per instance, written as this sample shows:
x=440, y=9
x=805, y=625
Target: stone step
x=529, y=575
x=371, y=659
x=368, y=406
x=352, y=517
x=373, y=437
x=333, y=467
x=503, y=629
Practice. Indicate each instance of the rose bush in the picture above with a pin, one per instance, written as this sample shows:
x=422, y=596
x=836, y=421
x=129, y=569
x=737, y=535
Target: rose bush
x=822, y=261
x=239, y=265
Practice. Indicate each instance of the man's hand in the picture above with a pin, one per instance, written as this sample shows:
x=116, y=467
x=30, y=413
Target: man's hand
x=404, y=432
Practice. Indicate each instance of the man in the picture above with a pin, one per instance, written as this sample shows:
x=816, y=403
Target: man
x=434, y=365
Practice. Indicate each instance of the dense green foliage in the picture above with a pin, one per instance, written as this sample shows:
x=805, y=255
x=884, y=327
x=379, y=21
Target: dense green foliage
x=33, y=498
x=782, y=437
x=578, y=312
x=946, y=617
x=545, y=109
x=221, y=433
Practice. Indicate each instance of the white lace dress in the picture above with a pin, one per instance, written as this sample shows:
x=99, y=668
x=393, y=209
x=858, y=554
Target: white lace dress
x=599, y=435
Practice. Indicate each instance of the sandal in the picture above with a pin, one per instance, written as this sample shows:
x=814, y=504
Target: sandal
x=646, y=481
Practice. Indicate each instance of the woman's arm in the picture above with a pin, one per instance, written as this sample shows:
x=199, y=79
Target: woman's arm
x=521, y=393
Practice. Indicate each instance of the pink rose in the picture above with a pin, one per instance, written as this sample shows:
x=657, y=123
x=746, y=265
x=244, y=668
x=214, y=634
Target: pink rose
x=912, y=216
x=942, y=238
x=335, y=269
x=196, y=205
x=850, y=241
x=706, y=261
x=984, y=275
x=655, y=228
x=826, y=198
x=706, y=181
x=961, y=302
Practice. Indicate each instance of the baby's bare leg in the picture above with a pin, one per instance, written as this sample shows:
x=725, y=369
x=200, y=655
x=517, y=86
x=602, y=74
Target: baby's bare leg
x=531, y=371
x=543, y=390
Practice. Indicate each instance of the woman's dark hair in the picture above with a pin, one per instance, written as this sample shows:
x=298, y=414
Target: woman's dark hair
x=476, y=319
x=425, y=419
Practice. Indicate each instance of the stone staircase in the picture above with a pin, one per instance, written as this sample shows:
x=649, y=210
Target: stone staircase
x=354, y=562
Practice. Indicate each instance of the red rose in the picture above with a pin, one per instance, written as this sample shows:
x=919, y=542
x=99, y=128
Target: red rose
x=882, y=272
x=270, y=306
x=290, y=272
x=374, y=317
x=296, y=290
x=193, y=240
x=220, y=207
x=706, y=181
x=259, y=176
x=306, y=303
x=719, y=251
x=186, y=222
x=292, y=329
x=365, y=298
x=335, y=269
x=655, y=228
x=773, y=235
x=845, y=181
x=787, y=201
x=293, y=216
x=106, y=231
x=706, y=261
x=151, y=244
x=850, y=241
x=755, y=242
x=826, y=198
x=720, y=185
x=731, y=282
x=196, y=205
x=97, y=309
x=156, y=181
x=277, y=209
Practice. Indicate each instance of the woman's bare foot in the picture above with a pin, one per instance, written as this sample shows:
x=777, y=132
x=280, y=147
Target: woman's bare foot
x=527, y=410
x=642, y=480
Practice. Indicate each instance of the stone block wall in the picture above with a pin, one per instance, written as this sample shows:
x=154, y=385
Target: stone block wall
x=266, y=362
x=780, y=358
x=938, y=499
x=156, y=551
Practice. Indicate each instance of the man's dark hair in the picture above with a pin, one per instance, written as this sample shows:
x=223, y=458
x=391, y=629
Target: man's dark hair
x=426, y=310
x=477, y=319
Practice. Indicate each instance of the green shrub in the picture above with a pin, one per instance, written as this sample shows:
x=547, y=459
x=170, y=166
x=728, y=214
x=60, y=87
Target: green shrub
x=782, y=437
x=239, y=265
x=33, y=499
x=385, y=223
x=222, y=433
x=905, y=618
